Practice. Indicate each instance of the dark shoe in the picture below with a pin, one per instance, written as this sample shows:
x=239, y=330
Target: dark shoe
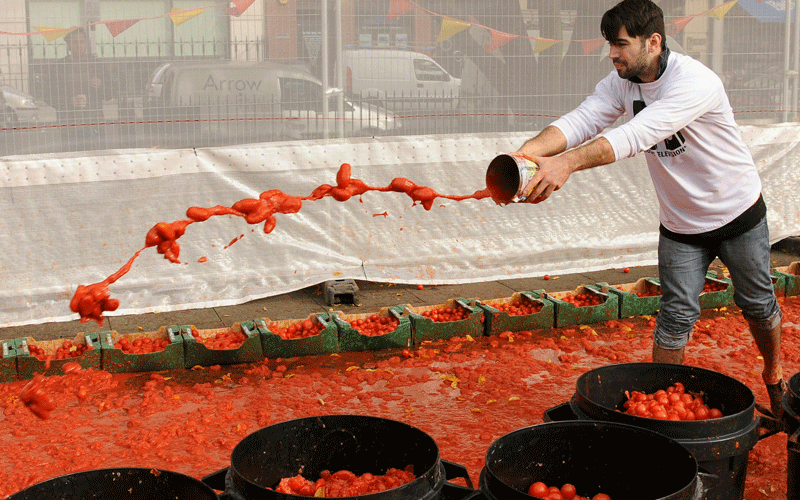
x=776, y=392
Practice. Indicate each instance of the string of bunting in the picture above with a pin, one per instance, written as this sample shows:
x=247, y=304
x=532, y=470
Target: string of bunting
x=397, y=8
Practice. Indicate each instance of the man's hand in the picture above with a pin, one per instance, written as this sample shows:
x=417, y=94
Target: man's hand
x=553, y=173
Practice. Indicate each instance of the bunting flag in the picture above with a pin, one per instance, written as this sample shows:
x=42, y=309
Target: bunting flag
x=117, y=27
x=590, y=46
x=399, y=8
x=678, y=24
x=719, y=12
x=180, y=16
x=51, y=34
x=498, y=40
x=543, y=44
x=450, y=27
x=239, y=7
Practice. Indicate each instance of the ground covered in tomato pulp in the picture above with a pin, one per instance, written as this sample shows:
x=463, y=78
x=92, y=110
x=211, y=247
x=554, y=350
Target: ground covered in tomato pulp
x=465, y=393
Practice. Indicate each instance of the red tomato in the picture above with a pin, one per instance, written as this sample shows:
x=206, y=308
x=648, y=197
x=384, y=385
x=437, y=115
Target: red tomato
x=568, y=491
x=601, y=496
x=538, y=489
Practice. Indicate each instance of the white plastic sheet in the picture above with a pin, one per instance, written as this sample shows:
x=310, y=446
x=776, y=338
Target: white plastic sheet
x=76, y=220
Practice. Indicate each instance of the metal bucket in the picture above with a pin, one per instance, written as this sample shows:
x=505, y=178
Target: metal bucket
x=507, y=178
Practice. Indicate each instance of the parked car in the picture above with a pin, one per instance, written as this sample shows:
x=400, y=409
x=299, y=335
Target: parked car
x=211, y=103
x=400, y=79
x=18, y=109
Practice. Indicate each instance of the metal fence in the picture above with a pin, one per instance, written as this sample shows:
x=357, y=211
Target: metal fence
x=382, y=67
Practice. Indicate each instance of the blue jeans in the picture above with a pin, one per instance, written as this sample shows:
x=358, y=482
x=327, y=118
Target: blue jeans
x=682, y=270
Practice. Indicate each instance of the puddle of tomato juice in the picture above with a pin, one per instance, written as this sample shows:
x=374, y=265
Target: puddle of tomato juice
x=464, y=393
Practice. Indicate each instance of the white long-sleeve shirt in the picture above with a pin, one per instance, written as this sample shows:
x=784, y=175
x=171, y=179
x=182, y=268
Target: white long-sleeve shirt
x=702, y=171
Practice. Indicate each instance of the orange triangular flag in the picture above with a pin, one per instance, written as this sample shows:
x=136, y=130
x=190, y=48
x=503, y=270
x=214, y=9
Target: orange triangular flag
x=399, y=8
x=180, y=16
x=450, y=27
x=679, y=24
x=590, y=46
x=719, y=12
x=239, y=7
x=498, y=40
x=543, y=44
x=117, y=27
x=51, y=34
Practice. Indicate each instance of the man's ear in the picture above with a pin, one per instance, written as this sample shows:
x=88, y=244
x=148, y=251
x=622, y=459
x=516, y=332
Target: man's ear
x=654, y=43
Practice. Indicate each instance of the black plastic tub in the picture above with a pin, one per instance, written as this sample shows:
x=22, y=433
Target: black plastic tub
x=791, y=415
x=721, y=446
x=620, y=460
x=119, y=483
x=356, y=443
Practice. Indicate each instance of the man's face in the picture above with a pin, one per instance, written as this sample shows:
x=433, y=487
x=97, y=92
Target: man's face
x=630, y=56
x=78, y=44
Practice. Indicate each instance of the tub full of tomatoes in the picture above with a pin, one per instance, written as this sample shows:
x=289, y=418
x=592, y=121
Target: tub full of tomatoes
x=8, y=361
x=589, y=460
x=709, y=413
x=522, y=311
x=316, y=334
x=642, y=298
x=586, y=304
x=49, y=356
x=791, y=277
x=142, y=352
x=389, y=328
x=458, y=317
x=241, y=343
x=116, y=483
x=350, y=456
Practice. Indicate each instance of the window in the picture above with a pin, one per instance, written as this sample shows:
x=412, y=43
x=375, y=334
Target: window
x=429, y=71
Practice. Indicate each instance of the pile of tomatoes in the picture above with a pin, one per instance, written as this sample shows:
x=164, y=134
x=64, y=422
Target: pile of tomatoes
x=221, y=340
x=144, y=345
x=299, y=330
x=66, y=350
x=375, y=325
x=444, y=314
x=345, y=483
x=566, y=492
x=714, y=286
x=674, y=403
x=584, y=299
x=519, y=308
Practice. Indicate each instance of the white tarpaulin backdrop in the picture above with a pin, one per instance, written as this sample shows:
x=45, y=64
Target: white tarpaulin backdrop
x=72, y=221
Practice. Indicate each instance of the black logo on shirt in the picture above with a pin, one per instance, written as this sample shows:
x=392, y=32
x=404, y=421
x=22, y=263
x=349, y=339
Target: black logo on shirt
x=673, y=146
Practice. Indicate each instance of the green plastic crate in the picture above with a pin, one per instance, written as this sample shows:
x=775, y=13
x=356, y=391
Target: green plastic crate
x=28, y=364
x=630, y=303
x=117, y=361
x=350, y=339
x=497, y=321
x=275, y=346
x=568, y=314
x=8, y=363
x=779, y=284
x=197, y=354
x=722, y=298
x=425, y=329
x=791, y=278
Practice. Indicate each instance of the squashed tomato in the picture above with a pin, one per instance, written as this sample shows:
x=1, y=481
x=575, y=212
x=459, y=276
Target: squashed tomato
x=345, y=483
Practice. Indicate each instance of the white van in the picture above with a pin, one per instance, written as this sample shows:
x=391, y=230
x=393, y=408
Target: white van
x=230, y=102
x=401, y=79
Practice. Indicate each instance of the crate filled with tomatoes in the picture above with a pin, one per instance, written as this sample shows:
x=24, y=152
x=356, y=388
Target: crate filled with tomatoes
x=455, y=318
x=388, y=328
x=641, y=298
x=8, y=361
x=238, y=344
x=586, y=304
x=49, y=356
x=316, y=334
x=142, y=352
x=717, y=291
x=522, y=311
x=791, y=278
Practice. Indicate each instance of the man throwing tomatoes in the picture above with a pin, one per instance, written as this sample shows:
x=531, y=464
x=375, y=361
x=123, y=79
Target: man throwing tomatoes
x=707, y=185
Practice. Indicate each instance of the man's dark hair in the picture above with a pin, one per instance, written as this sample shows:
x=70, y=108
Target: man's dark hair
x=641, y=18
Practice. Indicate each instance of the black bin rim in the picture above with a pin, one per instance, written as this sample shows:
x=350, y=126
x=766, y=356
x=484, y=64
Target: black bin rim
x=600, y=393
x=248, y=484
x=496, y=481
